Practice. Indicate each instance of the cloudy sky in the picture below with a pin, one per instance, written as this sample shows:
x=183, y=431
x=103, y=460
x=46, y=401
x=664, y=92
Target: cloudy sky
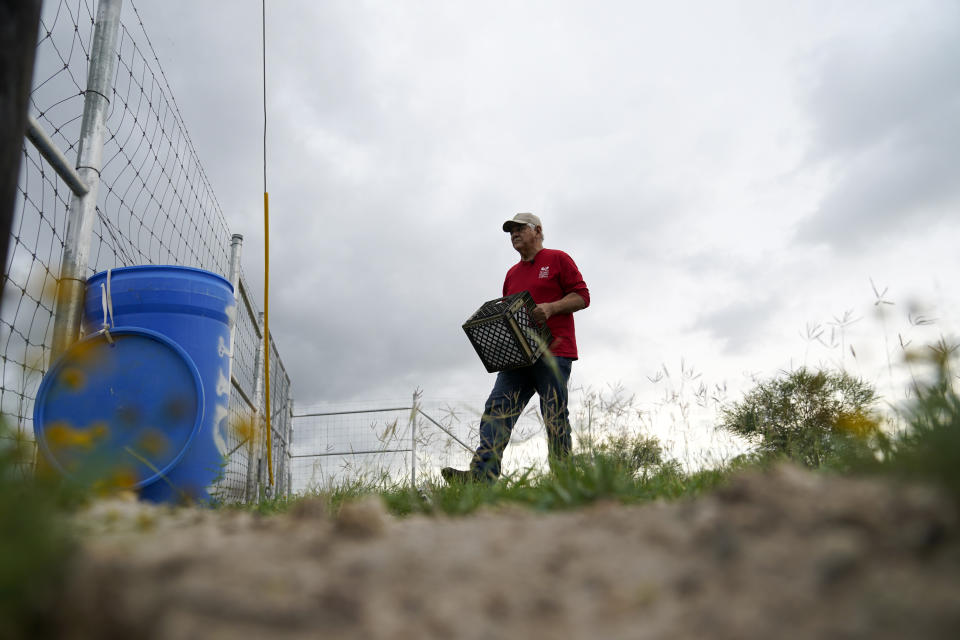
x=733, y=178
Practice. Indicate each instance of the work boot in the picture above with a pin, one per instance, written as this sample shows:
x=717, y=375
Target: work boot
x=458, y=476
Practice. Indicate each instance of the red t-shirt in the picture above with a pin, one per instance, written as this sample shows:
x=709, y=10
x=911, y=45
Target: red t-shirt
x=550, y=276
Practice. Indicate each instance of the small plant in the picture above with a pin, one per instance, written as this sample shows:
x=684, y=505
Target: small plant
x=640, y=454
x=813, y=417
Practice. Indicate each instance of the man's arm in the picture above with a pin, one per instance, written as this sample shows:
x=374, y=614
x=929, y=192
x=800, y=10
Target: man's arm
x=567, y=304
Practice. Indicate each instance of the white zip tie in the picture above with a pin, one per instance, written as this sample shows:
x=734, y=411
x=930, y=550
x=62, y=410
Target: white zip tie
x=106, y=300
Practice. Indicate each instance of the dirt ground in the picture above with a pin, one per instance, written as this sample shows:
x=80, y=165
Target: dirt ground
x=782, y=554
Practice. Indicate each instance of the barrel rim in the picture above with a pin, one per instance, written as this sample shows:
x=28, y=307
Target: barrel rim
x=167, y=268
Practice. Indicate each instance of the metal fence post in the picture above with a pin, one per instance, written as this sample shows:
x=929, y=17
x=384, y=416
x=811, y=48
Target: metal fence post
x=252, y=477
x=414, y=407
x=289, y=444
x=236, y=244
x=83, y=209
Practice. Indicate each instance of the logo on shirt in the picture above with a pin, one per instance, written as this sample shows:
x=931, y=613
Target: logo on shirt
x=544, y=272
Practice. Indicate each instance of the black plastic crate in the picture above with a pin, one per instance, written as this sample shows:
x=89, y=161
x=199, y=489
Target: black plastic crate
x=505, y=334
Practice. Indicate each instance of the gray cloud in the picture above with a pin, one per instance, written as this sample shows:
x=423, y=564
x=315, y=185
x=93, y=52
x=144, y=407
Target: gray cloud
x=740, y=325
x=887, y=125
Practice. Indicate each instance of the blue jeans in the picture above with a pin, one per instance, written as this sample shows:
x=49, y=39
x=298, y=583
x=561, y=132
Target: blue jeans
x=513, y=389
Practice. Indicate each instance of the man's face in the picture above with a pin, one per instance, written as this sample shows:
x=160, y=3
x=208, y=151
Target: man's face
x=522, y=236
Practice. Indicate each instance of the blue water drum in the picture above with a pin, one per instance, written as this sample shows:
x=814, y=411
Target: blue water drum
x=191, y=309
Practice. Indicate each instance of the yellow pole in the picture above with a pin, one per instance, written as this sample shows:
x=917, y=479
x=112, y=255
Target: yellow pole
x=266, y=253
x=266, y=326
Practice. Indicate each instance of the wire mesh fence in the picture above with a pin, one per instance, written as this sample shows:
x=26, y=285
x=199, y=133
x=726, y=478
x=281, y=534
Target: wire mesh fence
x=155, y=205
x=348, y=443
x=398, y=443
x=281, y=424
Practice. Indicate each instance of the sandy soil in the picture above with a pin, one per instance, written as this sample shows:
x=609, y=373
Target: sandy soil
x=783, y=554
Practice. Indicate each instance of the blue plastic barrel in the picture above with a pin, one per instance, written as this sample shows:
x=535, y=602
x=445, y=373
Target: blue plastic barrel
x=193, y=309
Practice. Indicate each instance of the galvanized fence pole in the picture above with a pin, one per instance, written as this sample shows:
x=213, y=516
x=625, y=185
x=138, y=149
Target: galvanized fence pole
x=414, y=407
x=54, y=157
x=289, y=442
x=236, y=245
x=83, y=208
x=253, y=462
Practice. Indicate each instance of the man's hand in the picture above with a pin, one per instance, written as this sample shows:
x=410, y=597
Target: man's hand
x=567, y=304
x=542, y=311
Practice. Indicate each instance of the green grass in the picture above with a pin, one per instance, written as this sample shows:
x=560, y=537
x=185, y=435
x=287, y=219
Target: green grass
x=929, y=449
x=607, y=472
x=35, y=541
x=577, y=484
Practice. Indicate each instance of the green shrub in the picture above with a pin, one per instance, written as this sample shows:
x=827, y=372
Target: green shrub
x=813, y=417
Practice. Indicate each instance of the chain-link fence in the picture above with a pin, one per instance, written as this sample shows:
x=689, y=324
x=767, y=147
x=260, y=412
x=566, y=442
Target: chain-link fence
x=153, y=205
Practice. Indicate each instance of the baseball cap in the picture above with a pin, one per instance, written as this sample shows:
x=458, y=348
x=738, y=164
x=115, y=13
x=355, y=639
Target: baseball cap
x=522, y=218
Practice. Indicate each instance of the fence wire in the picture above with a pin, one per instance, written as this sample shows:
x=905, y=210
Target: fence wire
x=155, y=206
x=346, y=443
x=280, y=421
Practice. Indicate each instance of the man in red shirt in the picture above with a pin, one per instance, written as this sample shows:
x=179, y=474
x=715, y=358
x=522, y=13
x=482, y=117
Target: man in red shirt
x=558, y=289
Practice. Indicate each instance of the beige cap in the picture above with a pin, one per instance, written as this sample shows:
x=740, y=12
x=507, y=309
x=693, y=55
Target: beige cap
x=522, y=218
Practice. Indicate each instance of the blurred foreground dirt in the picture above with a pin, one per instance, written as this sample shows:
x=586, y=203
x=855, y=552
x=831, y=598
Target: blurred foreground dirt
x=782, y=554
